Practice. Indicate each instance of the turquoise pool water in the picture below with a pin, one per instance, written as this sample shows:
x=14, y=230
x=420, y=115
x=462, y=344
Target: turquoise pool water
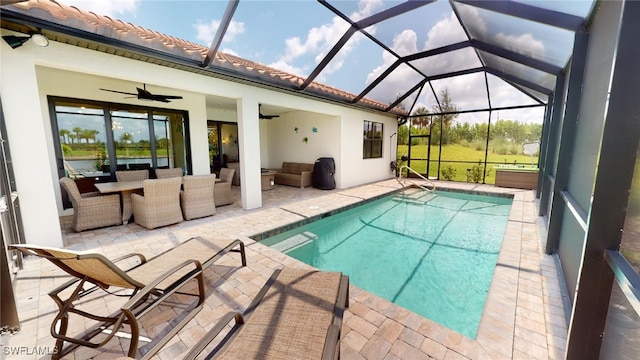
x=433, y=254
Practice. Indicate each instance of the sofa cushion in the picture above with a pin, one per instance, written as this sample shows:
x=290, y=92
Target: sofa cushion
x=295, y=168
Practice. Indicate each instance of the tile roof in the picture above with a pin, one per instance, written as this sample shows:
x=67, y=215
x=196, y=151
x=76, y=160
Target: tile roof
x=145, y=39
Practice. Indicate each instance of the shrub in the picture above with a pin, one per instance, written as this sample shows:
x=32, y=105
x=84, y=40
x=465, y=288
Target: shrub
x=478, y=145
x=448, y=172
x=476, y=174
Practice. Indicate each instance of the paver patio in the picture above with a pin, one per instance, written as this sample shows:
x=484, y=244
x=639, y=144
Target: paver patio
x=524, y=315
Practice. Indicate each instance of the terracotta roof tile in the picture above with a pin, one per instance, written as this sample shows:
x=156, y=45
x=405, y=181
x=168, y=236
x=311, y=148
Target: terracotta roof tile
x=103, y=25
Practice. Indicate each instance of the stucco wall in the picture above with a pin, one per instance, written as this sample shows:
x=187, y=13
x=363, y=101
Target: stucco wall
x=30, y=74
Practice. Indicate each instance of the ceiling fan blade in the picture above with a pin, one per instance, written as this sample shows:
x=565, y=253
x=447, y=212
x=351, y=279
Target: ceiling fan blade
x=119, y=92
x=158, y=98
x=169, y=96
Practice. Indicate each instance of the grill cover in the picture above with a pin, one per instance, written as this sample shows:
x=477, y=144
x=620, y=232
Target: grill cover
x=323, y=171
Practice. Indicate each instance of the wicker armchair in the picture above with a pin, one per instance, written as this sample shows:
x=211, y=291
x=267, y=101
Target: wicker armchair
x=160, y=204
x=196, y=198
x=236, y=176
x=128, y=175
x=222, y=190
x=167, y=173
x=92, y=210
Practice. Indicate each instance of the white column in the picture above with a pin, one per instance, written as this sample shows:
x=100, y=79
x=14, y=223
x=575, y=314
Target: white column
x=249, y=144
x=26, y=122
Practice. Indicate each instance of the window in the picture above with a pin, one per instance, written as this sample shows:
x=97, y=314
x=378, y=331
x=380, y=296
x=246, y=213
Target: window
x=95, y=139
x=372, y=147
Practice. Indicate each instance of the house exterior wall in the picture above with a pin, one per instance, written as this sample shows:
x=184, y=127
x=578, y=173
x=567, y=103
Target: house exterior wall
x=30, y=74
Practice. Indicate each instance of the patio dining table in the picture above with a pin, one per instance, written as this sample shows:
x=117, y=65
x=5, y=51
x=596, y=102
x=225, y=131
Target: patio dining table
x=125, y=188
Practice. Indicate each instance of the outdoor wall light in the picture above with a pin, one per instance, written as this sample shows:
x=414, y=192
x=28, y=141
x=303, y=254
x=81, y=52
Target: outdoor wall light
x=17, y=41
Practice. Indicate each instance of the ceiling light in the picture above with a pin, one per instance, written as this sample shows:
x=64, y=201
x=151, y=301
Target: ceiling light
x=40, y=40
x=17, y=41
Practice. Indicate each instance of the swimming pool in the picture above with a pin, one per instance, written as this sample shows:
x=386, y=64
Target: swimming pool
x=432, y=253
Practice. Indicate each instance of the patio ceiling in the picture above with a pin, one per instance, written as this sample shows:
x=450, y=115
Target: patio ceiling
x=489, y=46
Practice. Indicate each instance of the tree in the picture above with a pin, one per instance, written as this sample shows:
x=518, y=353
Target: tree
x=442, y=123
x=64, y=134
x=421, y=121
x=78, y=135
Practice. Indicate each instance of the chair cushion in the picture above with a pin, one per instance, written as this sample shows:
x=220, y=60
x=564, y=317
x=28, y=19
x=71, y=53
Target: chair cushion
x=295, y=168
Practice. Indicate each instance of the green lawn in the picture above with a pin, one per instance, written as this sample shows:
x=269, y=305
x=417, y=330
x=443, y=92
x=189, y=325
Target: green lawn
x=460, y=158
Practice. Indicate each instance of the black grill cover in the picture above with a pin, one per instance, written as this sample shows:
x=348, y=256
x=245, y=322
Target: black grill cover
x=323, y=171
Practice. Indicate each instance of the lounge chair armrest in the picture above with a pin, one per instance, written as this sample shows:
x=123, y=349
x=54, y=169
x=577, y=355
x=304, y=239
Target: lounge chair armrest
x=331, y=343
x=145, y=291
x=213, y=333
x=142, y=258
x=63, y=287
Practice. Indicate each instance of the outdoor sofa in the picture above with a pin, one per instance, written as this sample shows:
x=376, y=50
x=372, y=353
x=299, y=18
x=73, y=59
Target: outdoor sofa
x=295, y=174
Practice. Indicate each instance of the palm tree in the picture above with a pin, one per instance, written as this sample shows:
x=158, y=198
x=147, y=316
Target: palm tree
x=421, y=121
x=78, y=132
x=64, y=134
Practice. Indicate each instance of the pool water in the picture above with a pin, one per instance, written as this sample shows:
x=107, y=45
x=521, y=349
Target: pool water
x=431, y=253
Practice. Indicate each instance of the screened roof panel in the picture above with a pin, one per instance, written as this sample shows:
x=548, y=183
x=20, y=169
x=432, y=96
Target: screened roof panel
x=397, y=84
x=256, y=33
x=536, y=40
x=504, y=94
x=354, y=9
x=421, y=29
x=426, y=99
x=467, y=92
x=457, y=60
x=356, y=65
x=410, y=100
x=574, y=7
x=518, y=70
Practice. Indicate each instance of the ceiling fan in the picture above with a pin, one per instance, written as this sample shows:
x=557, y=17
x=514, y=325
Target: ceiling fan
x=144, y=94
x=266, y=117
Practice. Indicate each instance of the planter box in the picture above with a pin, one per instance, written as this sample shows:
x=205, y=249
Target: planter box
x=517, y=178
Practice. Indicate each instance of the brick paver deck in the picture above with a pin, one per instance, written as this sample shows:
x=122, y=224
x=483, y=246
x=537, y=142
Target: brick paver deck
x=524, y=315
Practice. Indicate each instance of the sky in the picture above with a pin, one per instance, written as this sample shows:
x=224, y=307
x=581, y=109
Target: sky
x=295, y=35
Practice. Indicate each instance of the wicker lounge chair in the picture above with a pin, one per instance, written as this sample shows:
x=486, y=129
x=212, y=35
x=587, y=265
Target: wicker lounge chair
x=92, y=210
x=152, y=282
x=196, y=198
x=296, y=315
x=160, y=204
x=167, y=173
x=222, y=190
x=128, y=175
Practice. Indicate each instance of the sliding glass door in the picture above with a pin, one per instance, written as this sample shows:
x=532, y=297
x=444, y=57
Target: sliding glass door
x=96, y=139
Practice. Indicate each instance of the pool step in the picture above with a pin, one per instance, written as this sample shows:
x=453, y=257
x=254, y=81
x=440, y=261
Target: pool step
x=419, y=197
x=295, y=242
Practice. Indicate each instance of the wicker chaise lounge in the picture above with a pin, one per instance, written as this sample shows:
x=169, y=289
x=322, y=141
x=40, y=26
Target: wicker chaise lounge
x=152, y=282
x=296, y=315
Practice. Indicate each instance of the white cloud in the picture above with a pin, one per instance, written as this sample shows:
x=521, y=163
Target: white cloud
x=102, y=7
x=319, y=40
x=524, y=44
x=206, y=31
x=445, y=32
x=284, y=66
